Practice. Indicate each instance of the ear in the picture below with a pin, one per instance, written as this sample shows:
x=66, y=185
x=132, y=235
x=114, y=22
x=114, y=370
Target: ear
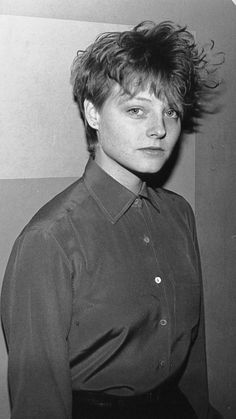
x=91, y=114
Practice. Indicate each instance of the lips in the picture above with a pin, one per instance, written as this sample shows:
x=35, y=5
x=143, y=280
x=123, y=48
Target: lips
x=153, y=151
x=152, y=148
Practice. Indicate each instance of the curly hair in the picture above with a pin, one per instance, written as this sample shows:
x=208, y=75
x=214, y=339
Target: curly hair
x=161, y=57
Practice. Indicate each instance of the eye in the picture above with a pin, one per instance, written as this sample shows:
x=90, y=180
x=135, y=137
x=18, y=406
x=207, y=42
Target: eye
x=136, y=112
x=172, y=113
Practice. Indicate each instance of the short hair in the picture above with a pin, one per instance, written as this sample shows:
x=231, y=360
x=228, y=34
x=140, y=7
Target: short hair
x=162, y=57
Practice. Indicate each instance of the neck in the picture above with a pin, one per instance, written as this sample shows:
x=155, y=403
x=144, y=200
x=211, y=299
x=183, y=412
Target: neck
x=122, y=175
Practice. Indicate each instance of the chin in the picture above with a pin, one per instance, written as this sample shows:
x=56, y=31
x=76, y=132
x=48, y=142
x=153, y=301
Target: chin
x=142, y=168
x=152, y=169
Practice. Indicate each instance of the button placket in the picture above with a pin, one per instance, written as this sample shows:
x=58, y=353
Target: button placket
x=156, y=281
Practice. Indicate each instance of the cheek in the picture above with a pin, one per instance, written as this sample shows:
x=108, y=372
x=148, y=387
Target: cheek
x=174, y=133
x=109, y=130
x=115, y=136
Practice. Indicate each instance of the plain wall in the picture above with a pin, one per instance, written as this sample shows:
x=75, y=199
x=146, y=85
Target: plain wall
x=209, y=184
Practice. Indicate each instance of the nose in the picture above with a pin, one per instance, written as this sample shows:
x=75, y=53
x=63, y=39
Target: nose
x=156, y=128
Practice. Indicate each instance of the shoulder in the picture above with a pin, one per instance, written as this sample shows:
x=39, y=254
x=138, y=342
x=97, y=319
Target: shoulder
x=48, y=233
x=57, y=211
x=176, y=205
x=173, y=198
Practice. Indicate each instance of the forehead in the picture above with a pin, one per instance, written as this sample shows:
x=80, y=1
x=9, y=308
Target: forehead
x=122, y=95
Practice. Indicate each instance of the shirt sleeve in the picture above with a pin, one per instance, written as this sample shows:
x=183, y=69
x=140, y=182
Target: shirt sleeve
x=36, y=315
x=194, y=382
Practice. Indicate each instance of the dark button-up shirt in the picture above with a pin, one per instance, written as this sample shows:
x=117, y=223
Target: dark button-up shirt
x=102, y=292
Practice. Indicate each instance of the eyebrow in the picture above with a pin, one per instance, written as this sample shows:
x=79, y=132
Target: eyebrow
x=125, y=98
x=141, y=98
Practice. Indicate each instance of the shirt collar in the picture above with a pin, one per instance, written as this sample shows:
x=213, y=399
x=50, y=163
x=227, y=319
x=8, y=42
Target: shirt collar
x=113, y=198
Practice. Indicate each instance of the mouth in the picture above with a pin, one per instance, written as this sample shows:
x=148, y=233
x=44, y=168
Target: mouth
x=153, y=151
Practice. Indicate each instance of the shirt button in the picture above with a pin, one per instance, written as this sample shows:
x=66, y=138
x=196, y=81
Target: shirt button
x=138, y=203
x=162, y=363
x=163, y=322
x=157, y=280
x=146, y=239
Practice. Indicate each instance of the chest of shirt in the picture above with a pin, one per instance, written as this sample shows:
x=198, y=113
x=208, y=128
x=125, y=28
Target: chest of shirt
x=144, y=263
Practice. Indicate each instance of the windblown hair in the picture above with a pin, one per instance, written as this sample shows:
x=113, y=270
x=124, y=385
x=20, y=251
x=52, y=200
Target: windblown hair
x=163, y=58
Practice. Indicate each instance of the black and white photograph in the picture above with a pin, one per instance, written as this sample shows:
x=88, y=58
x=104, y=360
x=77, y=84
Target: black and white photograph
x=118, y=209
